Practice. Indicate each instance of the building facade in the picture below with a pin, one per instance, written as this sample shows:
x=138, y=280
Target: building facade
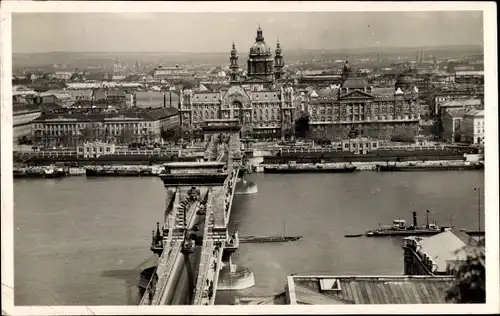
x=22, y=118
x=472, y=127
x=362, y=110
x=451, y=121
x=71, y=129
x=441, y=95
x=263, y=105
x=95, y=149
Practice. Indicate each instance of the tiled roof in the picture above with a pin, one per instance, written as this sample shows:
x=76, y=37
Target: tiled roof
x=149, y=95
x=466, y=102
x=82, y=85
x=382, y=92
x=214, y=86
x=331, y=93
x=22, y=107
x=101, y=116
x=370, y=290
x=477, y=113
x=456, y=112
x=355, y=83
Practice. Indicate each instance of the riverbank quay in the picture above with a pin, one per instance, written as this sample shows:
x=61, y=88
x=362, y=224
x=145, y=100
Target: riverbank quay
x=375, y=165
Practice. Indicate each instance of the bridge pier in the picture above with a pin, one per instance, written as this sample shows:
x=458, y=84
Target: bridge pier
x=232, y=276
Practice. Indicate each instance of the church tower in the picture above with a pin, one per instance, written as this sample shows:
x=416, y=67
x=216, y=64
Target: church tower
x=278, y=63
x=347, y=71
x=260, y=61
x=233, y=65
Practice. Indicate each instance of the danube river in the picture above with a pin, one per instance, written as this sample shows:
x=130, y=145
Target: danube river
x=82, y=241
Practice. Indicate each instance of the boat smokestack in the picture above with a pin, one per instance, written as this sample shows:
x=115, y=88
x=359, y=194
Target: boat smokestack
x=415, y=219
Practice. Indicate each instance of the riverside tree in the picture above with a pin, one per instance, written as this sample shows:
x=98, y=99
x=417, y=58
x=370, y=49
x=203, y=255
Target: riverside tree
x=469, y=284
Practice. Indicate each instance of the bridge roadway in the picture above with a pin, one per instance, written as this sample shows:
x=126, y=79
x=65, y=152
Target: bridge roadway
x=218, y=213
x=171, y=259
x=173, y=277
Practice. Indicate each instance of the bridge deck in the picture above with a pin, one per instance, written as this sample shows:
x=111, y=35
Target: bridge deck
x=170, y=253
x=216, y=200
x=219, y=202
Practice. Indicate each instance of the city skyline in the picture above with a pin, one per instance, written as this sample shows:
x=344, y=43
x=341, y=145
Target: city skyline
x=124, y=32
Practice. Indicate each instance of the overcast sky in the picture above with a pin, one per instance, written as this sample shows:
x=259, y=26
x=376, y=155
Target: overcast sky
x=214, y=32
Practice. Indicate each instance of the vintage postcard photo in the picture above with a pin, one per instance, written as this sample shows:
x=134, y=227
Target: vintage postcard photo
x=325, y=158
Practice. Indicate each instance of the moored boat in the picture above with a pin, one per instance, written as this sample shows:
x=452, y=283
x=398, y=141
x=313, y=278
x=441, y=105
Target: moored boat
x=266, y=239
x=308, y=168
x=135, y=171
x=46, y=172
x=399, y=228
x=429, y=167
x=353, y=235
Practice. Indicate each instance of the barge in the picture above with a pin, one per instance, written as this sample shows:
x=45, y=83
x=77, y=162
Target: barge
x=308, y=168
x=266, y=239
x=40, y=172
x=428, y=167
x=121, y=172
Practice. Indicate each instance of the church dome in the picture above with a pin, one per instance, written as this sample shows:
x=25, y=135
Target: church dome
x=259, y=48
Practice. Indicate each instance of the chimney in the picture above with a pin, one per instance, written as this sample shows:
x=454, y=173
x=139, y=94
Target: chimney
x=415, y=219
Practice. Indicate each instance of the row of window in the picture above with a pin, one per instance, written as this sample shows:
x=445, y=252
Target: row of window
x=322, y=111
x=81, y=126
x=256, y=104
x=213, y=114
x=361, y=117
x=94, y=149
x=75, y=133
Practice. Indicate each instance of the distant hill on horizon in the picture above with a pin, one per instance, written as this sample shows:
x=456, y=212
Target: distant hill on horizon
x=329, y=50
x=83, y=59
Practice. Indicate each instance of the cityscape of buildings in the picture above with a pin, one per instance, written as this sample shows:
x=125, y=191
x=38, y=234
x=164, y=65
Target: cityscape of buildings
x=437, y=100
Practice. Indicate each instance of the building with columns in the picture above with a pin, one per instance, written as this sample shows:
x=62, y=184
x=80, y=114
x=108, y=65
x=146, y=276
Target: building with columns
x=368, y=111
x=262, y=103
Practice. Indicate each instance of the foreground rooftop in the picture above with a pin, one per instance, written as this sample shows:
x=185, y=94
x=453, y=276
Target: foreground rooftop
x=329, y=289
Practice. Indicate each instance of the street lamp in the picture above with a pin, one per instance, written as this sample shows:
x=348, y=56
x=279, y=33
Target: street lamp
x=478, y=208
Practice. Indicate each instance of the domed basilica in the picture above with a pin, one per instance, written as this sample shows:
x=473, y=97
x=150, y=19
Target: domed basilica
x=261, y=101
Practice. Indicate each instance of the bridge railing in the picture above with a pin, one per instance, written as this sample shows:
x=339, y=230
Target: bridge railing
x=167, y=272
x=205, y=255
x=217, y=268
x=165, y=255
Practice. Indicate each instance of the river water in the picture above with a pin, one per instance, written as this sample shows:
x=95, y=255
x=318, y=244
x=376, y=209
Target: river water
x=82, y=241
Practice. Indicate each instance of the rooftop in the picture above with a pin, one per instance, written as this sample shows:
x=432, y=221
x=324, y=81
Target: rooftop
x=443, y=248
x=355, y=83
x=466, y=102
x=456, y=113
x=476, y=113
x=30, y=107
x=330, y=289
x=127, y=114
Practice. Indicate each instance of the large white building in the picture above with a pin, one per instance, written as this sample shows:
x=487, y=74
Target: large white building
x=472, y=127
